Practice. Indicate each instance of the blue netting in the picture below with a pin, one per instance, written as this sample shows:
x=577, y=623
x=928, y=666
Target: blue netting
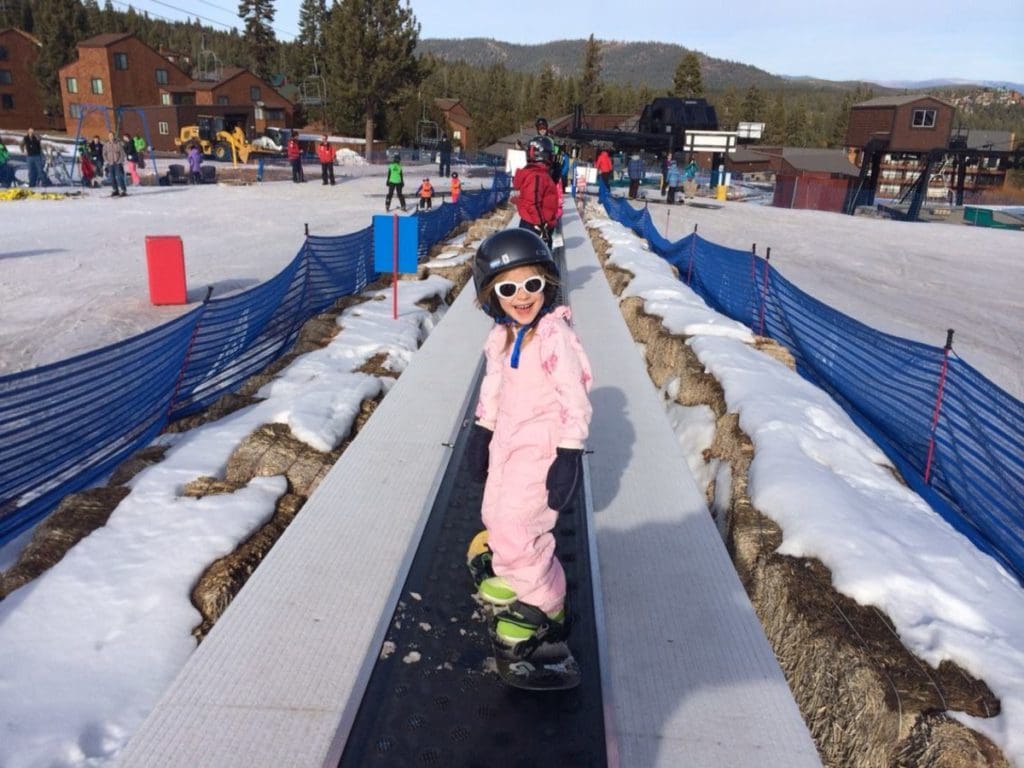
x=65, y=426
x=888, y=385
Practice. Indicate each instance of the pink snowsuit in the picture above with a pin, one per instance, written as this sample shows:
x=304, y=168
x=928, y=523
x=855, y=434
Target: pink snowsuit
x=533, y=409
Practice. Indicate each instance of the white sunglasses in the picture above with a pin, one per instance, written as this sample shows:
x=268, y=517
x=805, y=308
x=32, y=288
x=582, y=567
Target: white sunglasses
x=509, y=288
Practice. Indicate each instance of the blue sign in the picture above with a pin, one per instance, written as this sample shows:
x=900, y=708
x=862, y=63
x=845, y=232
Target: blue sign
x=384, y=239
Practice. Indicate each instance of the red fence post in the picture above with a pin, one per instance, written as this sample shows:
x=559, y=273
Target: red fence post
x=938, y=404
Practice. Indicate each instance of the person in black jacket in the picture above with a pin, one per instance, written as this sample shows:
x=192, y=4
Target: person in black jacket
x=33, y=149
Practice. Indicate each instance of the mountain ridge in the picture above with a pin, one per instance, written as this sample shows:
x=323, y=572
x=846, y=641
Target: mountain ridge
x=653, y=63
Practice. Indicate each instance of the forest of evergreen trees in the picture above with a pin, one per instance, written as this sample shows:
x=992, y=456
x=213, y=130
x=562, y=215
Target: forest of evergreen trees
x=365, y=51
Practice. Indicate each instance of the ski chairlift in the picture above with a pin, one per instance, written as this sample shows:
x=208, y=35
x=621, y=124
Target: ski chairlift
x=428, y=134
x=313, y=91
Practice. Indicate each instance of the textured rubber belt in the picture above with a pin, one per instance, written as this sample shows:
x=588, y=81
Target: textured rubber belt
x=433, y=698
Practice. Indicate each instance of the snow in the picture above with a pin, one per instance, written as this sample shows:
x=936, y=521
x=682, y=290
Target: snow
x=91, y=644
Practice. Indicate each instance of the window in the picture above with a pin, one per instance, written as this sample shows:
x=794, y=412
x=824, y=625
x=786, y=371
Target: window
x=72, y=84
x=923, y=118
x=3, y=53
x=121, y=61
x=165, y=99
x=97, y=85
x=5, y=77
x=223, y=100
x=75, y=110
x=254, y=92
x=6, y=101
x=161, y=77
x=163, y=128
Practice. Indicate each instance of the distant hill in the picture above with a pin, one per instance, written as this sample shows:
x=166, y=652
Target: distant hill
x=637, y=64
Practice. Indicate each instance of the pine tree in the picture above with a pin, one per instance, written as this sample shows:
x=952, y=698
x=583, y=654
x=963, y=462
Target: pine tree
x=753, y=109
x=371, y=60
x=57, y=25
x=590, y=82
x=687, y=82
x=258, y=16
x=312, y=19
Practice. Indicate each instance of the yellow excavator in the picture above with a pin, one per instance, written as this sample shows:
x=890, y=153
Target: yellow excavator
x=214, y=140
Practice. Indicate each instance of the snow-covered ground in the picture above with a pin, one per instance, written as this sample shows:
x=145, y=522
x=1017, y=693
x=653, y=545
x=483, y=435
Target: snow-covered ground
x=90, y=645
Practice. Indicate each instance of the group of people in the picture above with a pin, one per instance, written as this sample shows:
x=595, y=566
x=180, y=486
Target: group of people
x=425, y=193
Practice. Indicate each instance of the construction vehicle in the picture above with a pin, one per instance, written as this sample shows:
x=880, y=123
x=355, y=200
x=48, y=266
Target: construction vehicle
x=220, y=141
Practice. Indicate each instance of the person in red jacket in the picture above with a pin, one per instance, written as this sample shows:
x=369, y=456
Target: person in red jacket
x=537, y=199
x=325, y=153
x=294, y=154
x=603, y=165
x=456, y=187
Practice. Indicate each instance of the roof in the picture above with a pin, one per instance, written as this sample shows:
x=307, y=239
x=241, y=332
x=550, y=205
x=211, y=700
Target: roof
x=998, y=140
x=30, y=37
x=445, y=104
x=104, y=40
x=821, y=160
x=499, y=147
x=898, y=101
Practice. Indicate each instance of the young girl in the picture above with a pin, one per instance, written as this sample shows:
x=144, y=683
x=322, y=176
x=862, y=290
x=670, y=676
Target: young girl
x=532, y=419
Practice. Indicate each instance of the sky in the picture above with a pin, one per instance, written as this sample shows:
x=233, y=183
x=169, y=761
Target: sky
x=908, y=41
x=92, y=644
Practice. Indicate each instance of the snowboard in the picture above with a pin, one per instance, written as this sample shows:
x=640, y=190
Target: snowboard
x=550, y=666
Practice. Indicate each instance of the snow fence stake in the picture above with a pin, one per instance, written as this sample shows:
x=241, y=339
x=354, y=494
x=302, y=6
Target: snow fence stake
x=938, y=403
x=764, y=286
x=693, y=247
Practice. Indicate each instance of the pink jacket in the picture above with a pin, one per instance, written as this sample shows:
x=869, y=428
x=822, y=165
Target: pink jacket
x=533, y=409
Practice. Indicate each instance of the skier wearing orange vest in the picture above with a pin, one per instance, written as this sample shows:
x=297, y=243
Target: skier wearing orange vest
x=456, y=187
x=426, y=194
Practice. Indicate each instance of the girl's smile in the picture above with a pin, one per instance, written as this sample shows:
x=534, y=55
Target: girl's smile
x=523, y=307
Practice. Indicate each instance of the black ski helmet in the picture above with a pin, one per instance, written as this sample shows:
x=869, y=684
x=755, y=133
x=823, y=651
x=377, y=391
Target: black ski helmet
x=508, y=249
x=542, y=122
x=540, y=150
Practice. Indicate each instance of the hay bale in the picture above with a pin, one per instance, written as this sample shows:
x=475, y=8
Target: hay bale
x=225, y=577
x=271, y=449
x=867, y=701
x=77, y=515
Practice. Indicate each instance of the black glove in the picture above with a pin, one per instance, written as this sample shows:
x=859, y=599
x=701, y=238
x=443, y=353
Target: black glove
x=564, y=477
x=478, y=452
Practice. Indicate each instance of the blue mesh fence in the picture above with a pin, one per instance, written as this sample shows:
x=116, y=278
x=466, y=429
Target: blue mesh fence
x=969, y=468
x=64, y=427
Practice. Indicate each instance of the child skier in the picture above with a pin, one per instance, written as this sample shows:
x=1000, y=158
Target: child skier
x=456, y=187
x=537, y=199
x=396, y=180
x=426, y=195
x=532, y=419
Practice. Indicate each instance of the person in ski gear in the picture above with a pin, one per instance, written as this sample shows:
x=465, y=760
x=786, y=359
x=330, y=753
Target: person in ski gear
x=325, y=153
x=537, y=199
x=140, y=149
x=635, y=171
x=6, y=172
x=131, y=158
x=426, y=195
x=294, y=154
x=603, y=164
x=396, y=180
x=456, y=187
x=96, y=155
x=195, y=164
x=444, y=156
x=88, y=169
x=113, y=159
x=532, y=419
x=32, y=146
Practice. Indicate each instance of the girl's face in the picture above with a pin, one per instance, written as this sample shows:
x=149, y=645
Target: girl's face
x=523, y=307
